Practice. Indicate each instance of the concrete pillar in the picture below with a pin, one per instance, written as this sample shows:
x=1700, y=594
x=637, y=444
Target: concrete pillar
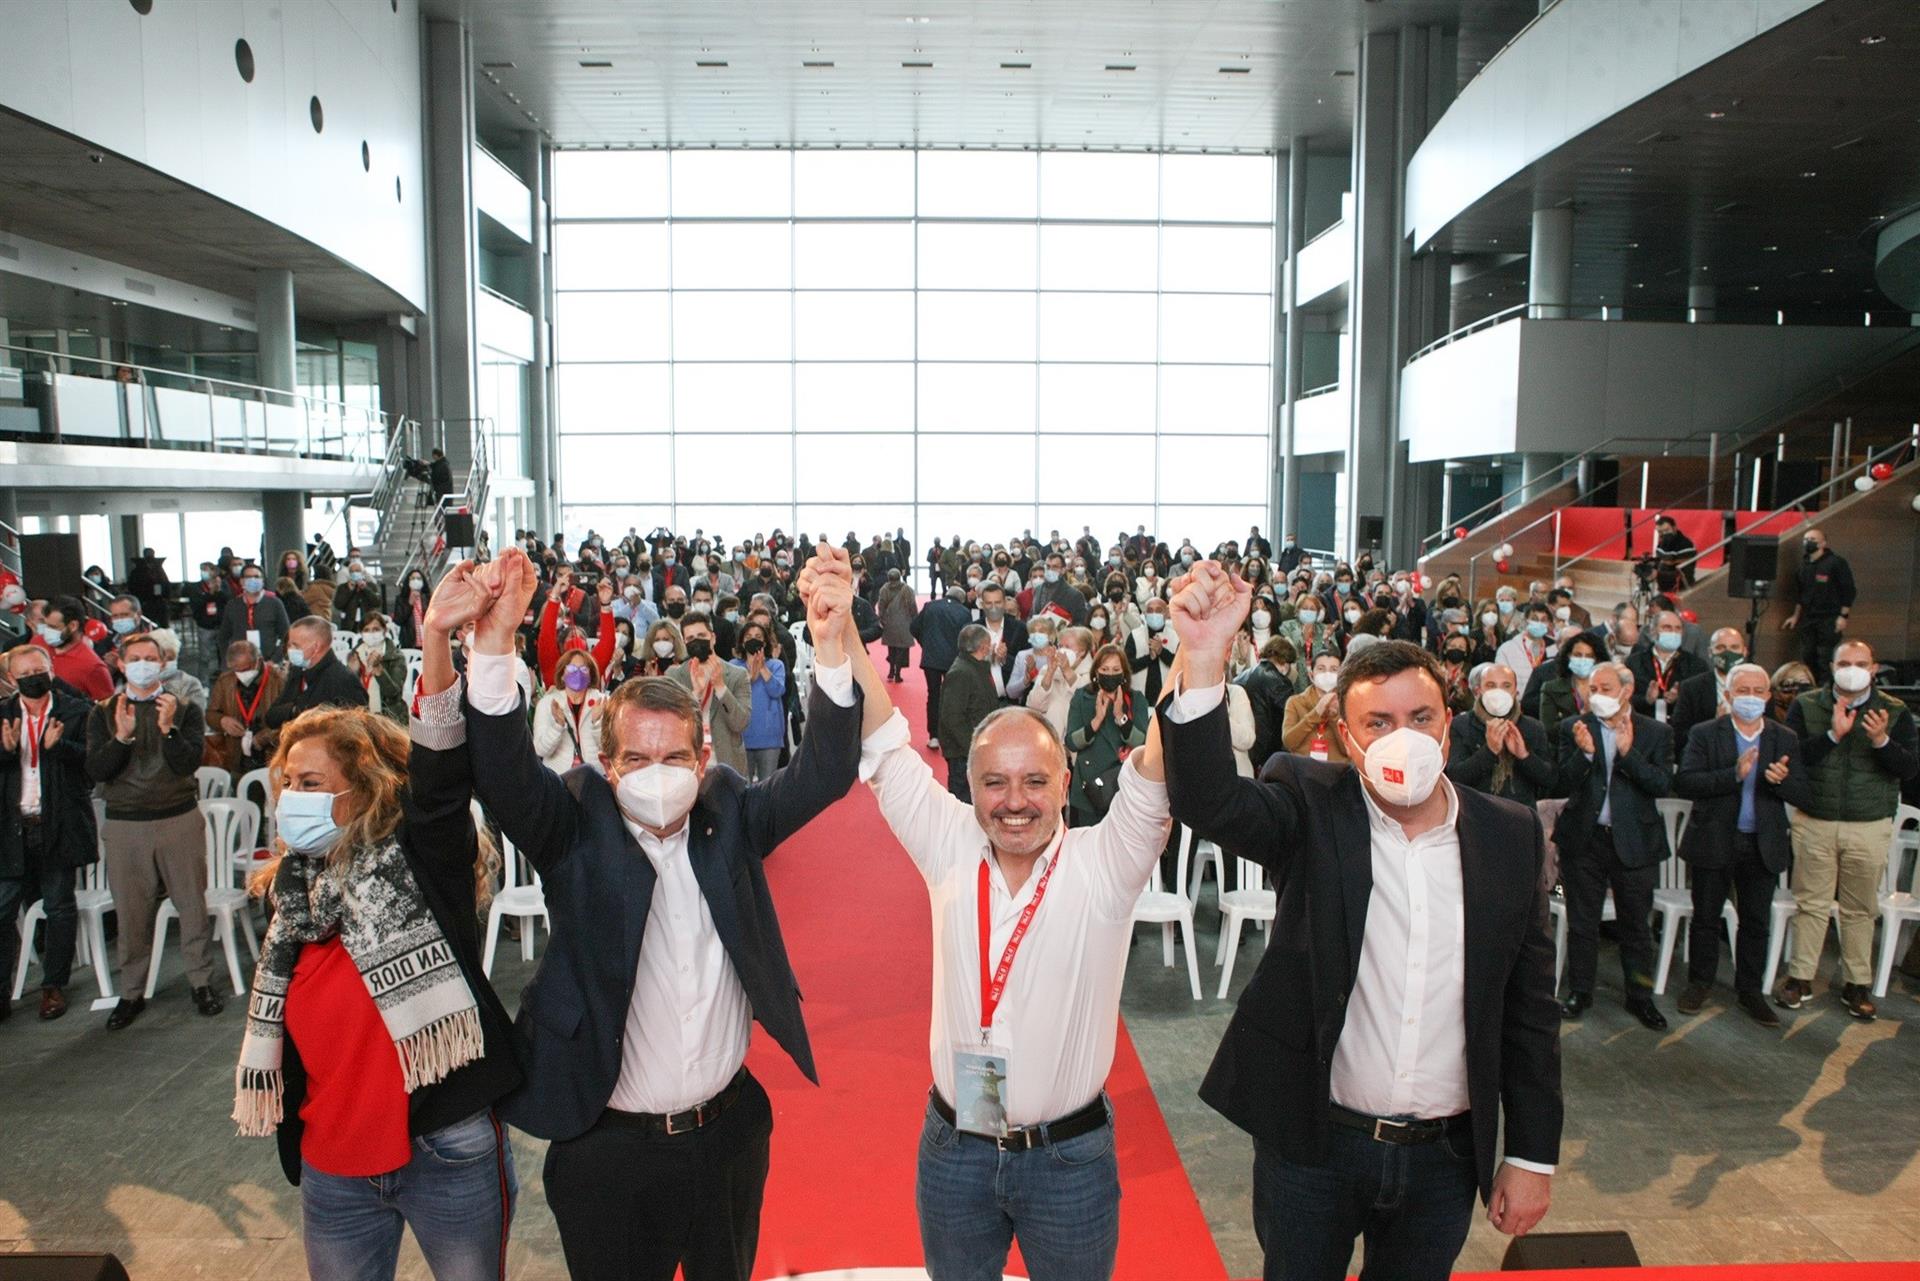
x=1536, y=466
x=10, y=508
x=273, y=315
x=1550, y=266
x=1371, y=439
x=451, y=241
x=542, y=446
x=1700, y=304
x=283, y=516
x=123, y=541
x=1290, y=233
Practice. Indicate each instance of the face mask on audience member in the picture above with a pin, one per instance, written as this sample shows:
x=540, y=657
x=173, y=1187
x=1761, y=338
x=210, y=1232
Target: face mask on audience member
x=1537, y=628
x=1605, y=706
x=699, y=649
x=676, y=609
x=1669, y=641
x=1326, y=681
x=1403, y=766
x=417, y=583
x=1851, y=680
x=1097, y=624
x=1727, y=659
x=305, y=821
x=1039, y=640
x=357, y=575
x=1749, y=707
x=34, y=685
x=296, y=658
x=1352, y=616
x=1489, y=618
x=1262, y=618
x=143, y=672
x=1580, y=666
x=1308, y=617
x=663, y=648
x=373, y=642
x=1456, y=653
x=1110, y=681
x=1156, y=621
x=248, y=676
x=577, y=677
x=252, y=585
x=1504, y=606
x=122, y=626
x=1498, y=702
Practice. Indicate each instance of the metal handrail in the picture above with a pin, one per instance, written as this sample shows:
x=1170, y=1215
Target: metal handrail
x=95, y=597
x=1766, y=421
x=429, y=551
x=1859, y=469
x=387, y=492
x=1485, y=322
x=314, y=409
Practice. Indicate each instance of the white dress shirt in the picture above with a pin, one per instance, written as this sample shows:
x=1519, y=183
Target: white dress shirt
x=1058, y=1014
x=1403, y=1048
x=996, y=633
x=30, y=755
x=688, y=1019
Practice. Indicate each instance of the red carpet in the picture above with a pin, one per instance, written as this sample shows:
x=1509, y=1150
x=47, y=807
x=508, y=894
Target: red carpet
x=840, y=1195
x=1727, y=1272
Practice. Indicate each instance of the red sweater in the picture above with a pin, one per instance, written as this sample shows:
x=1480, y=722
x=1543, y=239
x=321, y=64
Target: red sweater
x=81, y=668
x=356, y=1105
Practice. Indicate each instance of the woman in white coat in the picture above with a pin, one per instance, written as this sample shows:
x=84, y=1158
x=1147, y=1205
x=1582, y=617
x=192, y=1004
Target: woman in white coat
x=1069, y=666
x=566, y=724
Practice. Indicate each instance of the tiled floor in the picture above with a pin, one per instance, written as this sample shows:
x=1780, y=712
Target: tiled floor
x=1718, y=1142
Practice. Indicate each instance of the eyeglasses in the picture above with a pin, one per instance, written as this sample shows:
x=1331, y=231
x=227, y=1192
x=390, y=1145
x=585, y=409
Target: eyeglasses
x=1795, y=687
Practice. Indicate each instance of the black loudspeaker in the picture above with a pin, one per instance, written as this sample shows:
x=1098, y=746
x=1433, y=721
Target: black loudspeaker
x=61, y=1267
x=1752, y=560
x=50, y=564
x=1546, y=1251
x=459, y=529
x=1373, y=530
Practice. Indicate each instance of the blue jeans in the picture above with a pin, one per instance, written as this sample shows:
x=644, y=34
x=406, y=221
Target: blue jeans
x=457, y=1194
x=1062, y=1201
x=1412, y=1204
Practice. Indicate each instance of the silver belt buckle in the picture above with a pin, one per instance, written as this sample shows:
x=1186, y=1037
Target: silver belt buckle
x=1380, y=1121
x=687, y=1129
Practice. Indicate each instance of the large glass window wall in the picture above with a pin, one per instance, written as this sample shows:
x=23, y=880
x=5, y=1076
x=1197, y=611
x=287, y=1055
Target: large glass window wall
x=970, y=342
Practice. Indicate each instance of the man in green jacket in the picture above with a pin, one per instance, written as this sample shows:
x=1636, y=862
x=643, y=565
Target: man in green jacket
x=1859, y=745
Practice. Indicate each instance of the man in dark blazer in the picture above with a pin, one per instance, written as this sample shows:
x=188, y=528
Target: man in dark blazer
x=937, y=628
x=1741, y=771
x=1703, y=696
x=969, y=699
x=633, y=1032
x=1660, y=669
x=316, y=678
x=1497, y=748
x=47, y=828
x=1006, y=632
x=1614, y=764
x=1269, y=684
x=1316, y=1064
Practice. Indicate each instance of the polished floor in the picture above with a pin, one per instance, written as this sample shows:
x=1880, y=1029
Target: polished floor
x=1718, y=1142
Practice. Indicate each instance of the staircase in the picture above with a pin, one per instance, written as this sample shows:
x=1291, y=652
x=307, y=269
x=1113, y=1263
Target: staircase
x=1818, y=441
x=409, y=528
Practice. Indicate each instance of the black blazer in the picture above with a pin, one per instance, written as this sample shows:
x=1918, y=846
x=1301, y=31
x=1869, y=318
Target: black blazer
x=1309, y=828
x=1470, y=764
x=1709, y=776
x=1697, y=701
x=1268, y=692
x=1686, y=665
x=328, y=683
x=436, y=834
x=599, y=886
x=66, y=792
x=1642, y=775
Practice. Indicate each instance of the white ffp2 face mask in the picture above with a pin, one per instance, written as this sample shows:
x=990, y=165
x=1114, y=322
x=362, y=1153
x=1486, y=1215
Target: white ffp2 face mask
x=1605, y=706
x=659, y=795
x=1498, y=702
x=1403, y=766
x=1851, y=680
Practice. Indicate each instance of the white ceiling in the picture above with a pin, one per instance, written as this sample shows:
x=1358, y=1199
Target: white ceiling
x=1283, y=59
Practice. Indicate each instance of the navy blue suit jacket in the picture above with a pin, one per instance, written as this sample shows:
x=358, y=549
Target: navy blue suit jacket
x=599, y=886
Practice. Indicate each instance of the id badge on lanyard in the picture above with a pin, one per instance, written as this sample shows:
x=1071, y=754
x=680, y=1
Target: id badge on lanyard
x=981, y=1071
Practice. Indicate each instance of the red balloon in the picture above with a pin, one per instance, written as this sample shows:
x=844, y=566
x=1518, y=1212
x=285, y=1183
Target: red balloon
x=1459, y=531
x=1690, y=616
x=1880, y=471
x=1503, y=566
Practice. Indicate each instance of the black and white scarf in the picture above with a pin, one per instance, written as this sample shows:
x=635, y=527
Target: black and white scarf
x=375, y=906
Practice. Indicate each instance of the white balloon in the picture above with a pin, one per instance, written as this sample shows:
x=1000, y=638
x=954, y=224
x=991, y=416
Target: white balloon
x=1863, y=483
x=1505, y=552
x=1915, y=504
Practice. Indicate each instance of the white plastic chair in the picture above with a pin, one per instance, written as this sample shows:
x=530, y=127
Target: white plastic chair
x=416, y=661
x=1253, y=901
x=527, y=902
x=1207, y=855
x=256, y=788
x=1784, y=906
x=1168, y=908
x=228, y=827
x=92, y=901
x=213, y=782
x=1899, y=908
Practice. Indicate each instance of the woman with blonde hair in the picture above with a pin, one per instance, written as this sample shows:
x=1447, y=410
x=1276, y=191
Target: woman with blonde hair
x=375, y=1049
x=664, y=649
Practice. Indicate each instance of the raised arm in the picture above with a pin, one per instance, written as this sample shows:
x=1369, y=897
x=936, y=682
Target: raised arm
x=528, y=800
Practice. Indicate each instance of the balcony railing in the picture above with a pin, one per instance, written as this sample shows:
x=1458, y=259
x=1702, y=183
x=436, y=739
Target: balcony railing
x=84, y=400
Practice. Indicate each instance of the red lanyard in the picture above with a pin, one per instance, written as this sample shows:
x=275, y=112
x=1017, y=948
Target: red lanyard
x=994, y=983
x=249, y=605
x=1663, y=677
x=32, y=729
x=248, y=709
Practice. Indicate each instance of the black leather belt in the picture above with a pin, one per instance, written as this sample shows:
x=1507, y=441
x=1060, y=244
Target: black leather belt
x=1386, y=1130
x=692, y=1119
x=1025, y=1138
